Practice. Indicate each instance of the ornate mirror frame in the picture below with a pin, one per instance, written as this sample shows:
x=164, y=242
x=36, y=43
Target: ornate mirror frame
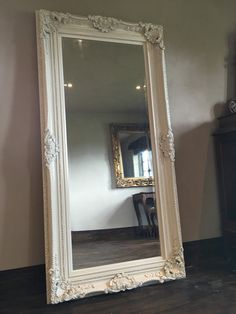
x=121, y=181
x=64, y=283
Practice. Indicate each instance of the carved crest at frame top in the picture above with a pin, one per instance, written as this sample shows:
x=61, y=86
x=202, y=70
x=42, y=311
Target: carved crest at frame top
x=50, y=21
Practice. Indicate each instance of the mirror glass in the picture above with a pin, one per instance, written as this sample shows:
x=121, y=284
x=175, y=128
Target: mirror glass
x=105, y=84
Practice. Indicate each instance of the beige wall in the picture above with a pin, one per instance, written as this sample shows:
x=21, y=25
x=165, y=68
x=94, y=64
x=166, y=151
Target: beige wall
x=197, y=35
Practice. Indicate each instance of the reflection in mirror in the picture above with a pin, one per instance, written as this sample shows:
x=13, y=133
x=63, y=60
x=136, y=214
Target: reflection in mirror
x=105, y=85
x=132, y=154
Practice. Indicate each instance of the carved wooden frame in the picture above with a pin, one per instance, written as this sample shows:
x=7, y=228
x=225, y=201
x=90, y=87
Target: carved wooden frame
x=64, y=283
x=121, y=181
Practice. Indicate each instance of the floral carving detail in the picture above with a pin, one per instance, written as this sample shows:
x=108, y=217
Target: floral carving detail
x=51, y=20
x=62, y=290
x=167, y=145
x=127, y=182
x=174, y=266
x=51, y=148
x=121, y=282
x=103, y=24
x=153, y=33
x=172, y=269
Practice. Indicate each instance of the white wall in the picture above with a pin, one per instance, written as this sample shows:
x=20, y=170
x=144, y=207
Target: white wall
x=200, y=41
x=95, y=202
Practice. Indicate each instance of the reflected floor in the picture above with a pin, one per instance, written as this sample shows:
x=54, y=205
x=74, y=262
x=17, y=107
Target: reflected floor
x=103, y=252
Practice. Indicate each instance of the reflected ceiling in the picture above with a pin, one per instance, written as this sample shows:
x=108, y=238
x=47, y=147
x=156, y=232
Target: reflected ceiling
x=104, y=76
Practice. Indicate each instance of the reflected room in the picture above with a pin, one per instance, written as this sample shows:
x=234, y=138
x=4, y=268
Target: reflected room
x=113, y=214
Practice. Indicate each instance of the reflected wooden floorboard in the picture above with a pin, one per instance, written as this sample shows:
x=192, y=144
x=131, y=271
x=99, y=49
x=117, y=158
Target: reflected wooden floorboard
x=97, y=253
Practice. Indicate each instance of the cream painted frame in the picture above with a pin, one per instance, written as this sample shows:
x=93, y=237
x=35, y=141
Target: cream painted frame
x=64, y=283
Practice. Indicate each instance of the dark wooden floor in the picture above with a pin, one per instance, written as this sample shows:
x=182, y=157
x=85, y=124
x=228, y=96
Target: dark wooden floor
x=96, y=253
x=209, y=289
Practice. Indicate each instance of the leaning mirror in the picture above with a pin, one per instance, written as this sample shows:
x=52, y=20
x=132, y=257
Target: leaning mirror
x=110, y=201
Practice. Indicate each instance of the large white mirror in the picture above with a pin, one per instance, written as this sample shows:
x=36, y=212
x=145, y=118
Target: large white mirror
x=110, y=201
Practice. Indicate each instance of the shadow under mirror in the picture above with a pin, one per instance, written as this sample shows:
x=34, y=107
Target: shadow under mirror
x=105, y=89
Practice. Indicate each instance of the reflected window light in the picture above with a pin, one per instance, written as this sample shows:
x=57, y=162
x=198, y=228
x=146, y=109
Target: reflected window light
x=138, y=87
x=142, y=163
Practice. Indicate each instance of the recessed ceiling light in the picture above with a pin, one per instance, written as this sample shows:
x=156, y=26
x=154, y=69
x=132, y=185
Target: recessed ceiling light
x=138, y=87
x=80, y=41
x=69, y=85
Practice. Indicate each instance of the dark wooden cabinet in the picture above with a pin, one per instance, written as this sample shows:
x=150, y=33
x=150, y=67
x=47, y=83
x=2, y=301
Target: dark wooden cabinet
x=225, y=142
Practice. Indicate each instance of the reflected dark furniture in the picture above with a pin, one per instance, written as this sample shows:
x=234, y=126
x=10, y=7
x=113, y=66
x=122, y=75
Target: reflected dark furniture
x=144, y=204
x=225, y=140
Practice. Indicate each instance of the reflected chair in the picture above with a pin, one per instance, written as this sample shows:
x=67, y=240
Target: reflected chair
x=144, y=205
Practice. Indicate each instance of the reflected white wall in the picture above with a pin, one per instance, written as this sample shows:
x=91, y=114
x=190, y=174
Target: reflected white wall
x=95, y=202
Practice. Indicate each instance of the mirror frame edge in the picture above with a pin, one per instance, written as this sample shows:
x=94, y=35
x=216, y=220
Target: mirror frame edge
x=62, y=285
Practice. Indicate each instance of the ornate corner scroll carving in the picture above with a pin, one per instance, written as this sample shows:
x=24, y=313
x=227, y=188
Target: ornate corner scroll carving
x=174, y=266
x=103, y=24
x=153, y=33
x=172, y=269
x=121, y=282
x=51, y=148
x=62, y=290
x=49, y=21
x=167, y=145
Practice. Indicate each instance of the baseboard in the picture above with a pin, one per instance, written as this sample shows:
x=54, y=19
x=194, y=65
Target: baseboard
x=197, y=251
x=36, y=269
x=194, y=252
x=106, y=234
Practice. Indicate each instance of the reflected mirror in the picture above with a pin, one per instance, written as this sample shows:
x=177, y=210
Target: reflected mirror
x=132, y=154
x=108, y=132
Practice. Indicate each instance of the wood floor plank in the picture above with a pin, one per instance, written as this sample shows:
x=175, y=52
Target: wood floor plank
x=97, y=253
x=208, y=289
